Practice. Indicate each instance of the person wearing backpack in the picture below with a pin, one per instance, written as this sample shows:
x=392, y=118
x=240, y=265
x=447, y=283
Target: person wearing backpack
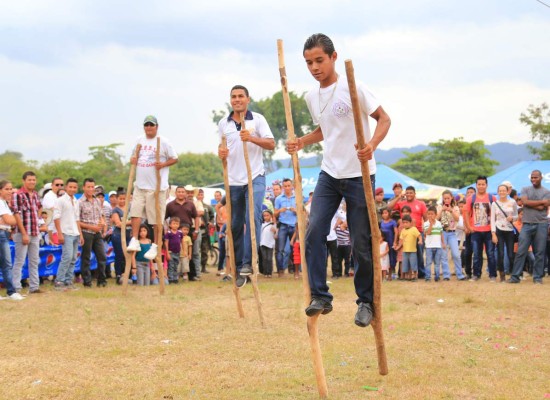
x=477, y=221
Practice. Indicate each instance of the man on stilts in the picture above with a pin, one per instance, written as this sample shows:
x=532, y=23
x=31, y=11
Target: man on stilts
x=340, y=177
x=258, y=137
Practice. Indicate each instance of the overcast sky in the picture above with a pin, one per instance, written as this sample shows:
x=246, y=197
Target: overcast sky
x=84, y=73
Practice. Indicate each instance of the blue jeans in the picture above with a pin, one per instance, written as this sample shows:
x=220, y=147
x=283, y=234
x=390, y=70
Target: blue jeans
x=434, y=255
x=120, y=260
x=285, y=232
x=531, y=235
x=478, y=240
x=452, y=243
x=327, y=197
x=240, y=218
x=5, y=262
x=410, y=262
x=69, y=253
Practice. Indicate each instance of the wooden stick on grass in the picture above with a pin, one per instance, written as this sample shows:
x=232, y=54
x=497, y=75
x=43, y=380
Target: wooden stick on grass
x=231, y=269
x=312, y=322
x=128, y=256
x=252, y=229
x=158, y=227
x=375, y=231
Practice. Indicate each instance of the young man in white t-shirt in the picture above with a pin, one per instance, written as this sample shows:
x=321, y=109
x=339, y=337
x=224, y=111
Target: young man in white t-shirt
x=258, y=137
x=340, y=177
x=143, y=201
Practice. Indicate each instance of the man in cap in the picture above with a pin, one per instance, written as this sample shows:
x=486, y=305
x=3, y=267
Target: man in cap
x=257, y=136
x=143, y=201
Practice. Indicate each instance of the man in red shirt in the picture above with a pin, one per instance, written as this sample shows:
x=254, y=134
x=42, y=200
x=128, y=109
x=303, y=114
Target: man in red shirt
x=418, y=214
x=477, y=221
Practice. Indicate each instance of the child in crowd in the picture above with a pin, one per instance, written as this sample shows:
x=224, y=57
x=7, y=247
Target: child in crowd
x=296, y=257
x=343, y=244
x=389, y=228
x=407, y=240
x=185, y=253
x=460, y=234
x=221, y=248
x=140, y=264
x=384, y=256
x=172, y=244
x=405, y=210
x=267, y=243
x=435, y=244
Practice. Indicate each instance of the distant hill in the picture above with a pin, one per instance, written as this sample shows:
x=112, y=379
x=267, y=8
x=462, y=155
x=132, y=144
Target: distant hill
x=507, y=154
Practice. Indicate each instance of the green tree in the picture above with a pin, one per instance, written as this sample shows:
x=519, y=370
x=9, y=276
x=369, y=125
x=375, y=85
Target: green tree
x=12, y=166
x=196, y=169
x=272, y=108
x=538, y=120
x=453, y=163
x=61, y=168
x=106, y=166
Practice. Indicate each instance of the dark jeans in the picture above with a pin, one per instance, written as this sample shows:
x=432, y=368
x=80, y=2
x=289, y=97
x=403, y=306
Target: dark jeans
x=221, y=247
x=267, y=260
x=466, y=255
x=240, y=217
x=480, y=240
x=283, y=236
x=420, y=256
x=505, y=241
x=328, y=195
x=120, y=260
x=531, y=235
x=332, y=251
x=93, y=241
x=344, y=255
x=205, y=246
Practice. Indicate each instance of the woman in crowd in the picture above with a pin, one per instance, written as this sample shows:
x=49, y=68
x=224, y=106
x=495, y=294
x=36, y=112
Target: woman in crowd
x=448, y=213
x=116, y=238
x=504, y=212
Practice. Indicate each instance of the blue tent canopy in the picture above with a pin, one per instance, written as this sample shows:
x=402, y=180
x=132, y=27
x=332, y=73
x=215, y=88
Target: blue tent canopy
x=518, y=175
x=385, y=178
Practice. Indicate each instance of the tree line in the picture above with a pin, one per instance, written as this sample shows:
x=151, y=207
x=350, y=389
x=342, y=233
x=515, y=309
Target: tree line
x=447, y=162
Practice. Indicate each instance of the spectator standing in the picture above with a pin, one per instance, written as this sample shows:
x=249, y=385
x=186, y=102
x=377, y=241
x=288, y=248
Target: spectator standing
x=25, y=205
x=7, y=220
x=173, y=240
x=379, y=202
x=477, y=221
x=536, y=199
x=66, y=219
x=418, y=215
x=92, y=225
x=48, y=203
x=267, y=243
x=343, y=243
x=408, y=239
x=388, y=226
x=435, y=245
x=186, y=252
x=117, y=215
x=257, y=136
x=504, y=212
x=467, y=251
x=207, y=226
x=143, y=200
x=140, y=264
x=285, y=212
x=448, y=213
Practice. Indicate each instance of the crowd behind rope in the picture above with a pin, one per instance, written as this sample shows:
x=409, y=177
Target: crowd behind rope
x=419, y=239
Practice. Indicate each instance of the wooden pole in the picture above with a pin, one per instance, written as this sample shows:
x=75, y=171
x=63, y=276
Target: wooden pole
x=158, y=227
x=231, y=269
x=252, y=229
x=312, y=322
x=375, y=231
x=128, y=256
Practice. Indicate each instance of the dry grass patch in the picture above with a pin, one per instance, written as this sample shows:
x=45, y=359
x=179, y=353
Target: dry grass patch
x=479, y=341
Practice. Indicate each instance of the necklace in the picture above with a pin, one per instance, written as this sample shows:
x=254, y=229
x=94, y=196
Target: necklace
x=322, y=110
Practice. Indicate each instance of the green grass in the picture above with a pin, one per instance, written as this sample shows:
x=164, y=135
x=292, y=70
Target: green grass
x=484, y=341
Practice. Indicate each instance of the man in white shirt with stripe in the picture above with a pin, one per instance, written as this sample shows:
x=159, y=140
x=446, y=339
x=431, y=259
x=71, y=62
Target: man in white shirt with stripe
x=258, y=137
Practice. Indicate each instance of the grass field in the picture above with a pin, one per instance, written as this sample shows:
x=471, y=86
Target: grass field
x=446, y=340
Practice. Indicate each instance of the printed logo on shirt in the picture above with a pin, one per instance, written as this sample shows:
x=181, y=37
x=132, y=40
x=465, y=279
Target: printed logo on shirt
x=482, y=213
x=340, y=109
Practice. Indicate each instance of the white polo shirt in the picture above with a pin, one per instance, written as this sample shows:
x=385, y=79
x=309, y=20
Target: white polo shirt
x=236, y=165
x=330, y=108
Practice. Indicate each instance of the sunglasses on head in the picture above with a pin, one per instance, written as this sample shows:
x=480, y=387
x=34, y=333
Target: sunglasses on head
x=148, y=124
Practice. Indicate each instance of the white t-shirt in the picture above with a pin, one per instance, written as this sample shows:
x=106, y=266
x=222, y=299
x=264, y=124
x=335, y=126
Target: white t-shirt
x=268, y=236
x=236, y=165
x=48, y=202
x=4, y=210
x=330, y=108
x=146, y=177
x=433, y=241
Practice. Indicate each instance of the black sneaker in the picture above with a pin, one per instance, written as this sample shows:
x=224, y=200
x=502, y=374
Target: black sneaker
x=318, y=306
x=364, y=314
x=512, y=280
x=241, y=281
x=246, y=270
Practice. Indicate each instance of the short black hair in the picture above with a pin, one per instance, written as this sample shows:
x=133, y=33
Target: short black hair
x=240, y=87
x=287, y=180
x=406, y=218
x=319, y=40
x=87, y=180
x=482, y=178
x=406, y=208
x=27, y=174
x=72, y=180
x=432, y=209
x=410, y=188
